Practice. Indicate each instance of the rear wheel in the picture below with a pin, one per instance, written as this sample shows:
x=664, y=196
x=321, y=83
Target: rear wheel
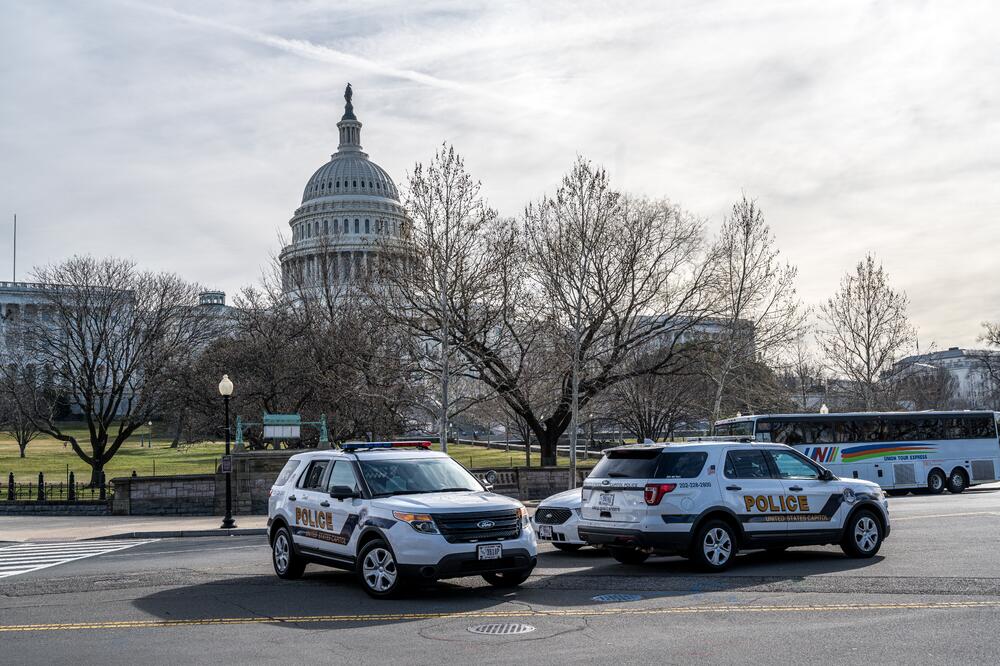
x=287, y=564
x=936, y=482
x=568, y=547
x=863, y=535
x=628, y=555
x=957, y=481
x=714, y=547
x=507, y=578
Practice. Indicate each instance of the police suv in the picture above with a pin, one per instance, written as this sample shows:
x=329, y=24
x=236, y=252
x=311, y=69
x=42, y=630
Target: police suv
x=395, y=512
x=707, y=500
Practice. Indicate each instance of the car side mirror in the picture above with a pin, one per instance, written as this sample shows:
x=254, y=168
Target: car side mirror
x=343, y=492
x=491, y=477
x=826, y=475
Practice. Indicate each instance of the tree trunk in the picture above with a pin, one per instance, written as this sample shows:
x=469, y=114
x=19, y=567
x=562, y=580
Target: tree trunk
x=95, y=473
x=547, y=443
x=22, y=447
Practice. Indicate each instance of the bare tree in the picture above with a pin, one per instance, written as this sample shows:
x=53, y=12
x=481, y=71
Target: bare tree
x=864, y=330
x=107, y=336
x=804, y=375
x=14, y=420
x=651, y=405
x=758, y=313
x=923, y=386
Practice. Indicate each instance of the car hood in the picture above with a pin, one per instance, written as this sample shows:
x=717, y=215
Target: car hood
x=860, y=485
x=448, y=502
x=571, y=499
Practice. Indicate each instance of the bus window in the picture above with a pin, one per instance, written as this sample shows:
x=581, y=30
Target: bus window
x=930, y=429
x=903, y=430
x=980, y=427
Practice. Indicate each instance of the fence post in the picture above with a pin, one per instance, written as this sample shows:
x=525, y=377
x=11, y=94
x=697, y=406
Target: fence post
x=71, y=489
x=41, y=487
x=10, y=487
x=104, y=488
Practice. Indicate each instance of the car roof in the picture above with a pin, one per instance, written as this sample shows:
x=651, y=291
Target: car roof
x=369, y=454
x=695, y=445
x=853, y=415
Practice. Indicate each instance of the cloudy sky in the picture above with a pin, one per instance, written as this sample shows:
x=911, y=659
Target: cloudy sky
x=182, y=133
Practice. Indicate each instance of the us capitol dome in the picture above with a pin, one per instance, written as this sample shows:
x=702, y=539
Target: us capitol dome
x=349, y=209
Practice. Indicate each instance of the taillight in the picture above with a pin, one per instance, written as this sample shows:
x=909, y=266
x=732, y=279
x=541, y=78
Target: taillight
x=655, y=491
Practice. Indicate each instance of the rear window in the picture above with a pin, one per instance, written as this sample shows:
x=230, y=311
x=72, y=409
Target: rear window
x=650, y=464
x=286, y=472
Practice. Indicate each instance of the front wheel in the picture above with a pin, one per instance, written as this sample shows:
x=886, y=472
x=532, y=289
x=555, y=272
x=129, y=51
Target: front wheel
x=935, y=482
x=628, y=555
x=863, y=536
x=714, y=547
x=287, y=564
x=377, y=570
x=956, y=481
x=507, y=578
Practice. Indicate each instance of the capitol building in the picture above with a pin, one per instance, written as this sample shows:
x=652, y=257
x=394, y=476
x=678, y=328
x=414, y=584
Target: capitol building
x=350, y=208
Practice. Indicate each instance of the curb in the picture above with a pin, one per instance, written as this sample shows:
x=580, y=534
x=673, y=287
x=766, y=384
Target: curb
x=177, y=534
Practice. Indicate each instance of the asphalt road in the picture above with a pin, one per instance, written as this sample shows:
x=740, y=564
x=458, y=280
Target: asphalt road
x=933, y=593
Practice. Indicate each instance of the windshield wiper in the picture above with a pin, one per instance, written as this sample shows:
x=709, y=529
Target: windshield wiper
x=402, y=492
x=455, y=490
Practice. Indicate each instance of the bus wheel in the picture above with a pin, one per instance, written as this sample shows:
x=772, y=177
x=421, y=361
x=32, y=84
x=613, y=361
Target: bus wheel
x=957, y=482
x=936, y=482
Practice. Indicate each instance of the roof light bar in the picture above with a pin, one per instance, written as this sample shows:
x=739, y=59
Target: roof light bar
x=350, y=446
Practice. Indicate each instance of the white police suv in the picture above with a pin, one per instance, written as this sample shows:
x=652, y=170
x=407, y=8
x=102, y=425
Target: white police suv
x=707, y=500
x=556, y=520
x=395, y=512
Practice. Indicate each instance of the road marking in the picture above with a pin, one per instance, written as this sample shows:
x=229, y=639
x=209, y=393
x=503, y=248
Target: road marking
x=519, y=613
x=27, y=557
x=947, y=515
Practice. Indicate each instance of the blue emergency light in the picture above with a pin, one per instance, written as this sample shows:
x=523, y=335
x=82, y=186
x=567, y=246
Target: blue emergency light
x=353, y=446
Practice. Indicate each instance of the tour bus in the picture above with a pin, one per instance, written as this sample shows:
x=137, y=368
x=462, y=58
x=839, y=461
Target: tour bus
x=900, y=451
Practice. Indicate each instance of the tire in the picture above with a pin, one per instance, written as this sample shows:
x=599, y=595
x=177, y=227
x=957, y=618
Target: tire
x=628, y=555
x=507, y=578
x=568, y=547
x=715, y=546
x=862, y=535
x=957, y=481
x=287, y=565
x=936, y=482
x=377, y=570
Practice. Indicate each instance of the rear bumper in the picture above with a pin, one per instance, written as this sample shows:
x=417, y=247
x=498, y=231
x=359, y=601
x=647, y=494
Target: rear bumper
x=467, y=564
x=662, y=541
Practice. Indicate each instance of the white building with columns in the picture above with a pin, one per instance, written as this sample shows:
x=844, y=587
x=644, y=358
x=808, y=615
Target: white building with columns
x=349, y=209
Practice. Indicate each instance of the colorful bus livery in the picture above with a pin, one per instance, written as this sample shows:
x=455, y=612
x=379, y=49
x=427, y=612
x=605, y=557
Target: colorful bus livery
x=898, y=450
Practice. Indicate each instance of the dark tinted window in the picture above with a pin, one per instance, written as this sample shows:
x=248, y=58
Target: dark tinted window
x=738, y=429
x=627, y=464
x=312, y=479
x=680, y=464
x=286, y=472
x=747, y=465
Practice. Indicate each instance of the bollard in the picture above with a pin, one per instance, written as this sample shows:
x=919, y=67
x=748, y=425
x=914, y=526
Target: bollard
x=10, y=487
x=41, y=487
x=104, y=488
x=71, y=490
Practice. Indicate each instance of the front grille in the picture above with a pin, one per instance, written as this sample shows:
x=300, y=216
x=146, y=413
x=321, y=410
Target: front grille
x=546, y=515
x=464, y=527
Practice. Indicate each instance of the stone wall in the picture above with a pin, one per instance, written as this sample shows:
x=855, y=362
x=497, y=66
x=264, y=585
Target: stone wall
x=181, y=495
x=56, y=508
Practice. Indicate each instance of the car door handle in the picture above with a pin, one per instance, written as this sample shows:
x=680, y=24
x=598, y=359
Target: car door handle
x=734, y=488
x=324, y=503
x=292, y=498
x=796, y=489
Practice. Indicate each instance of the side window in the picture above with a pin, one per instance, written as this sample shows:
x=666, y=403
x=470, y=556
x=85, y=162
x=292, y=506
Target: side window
x=342, y=475
x=313, y=478
x=286, y=472
x=747, y=464
x=791, y=466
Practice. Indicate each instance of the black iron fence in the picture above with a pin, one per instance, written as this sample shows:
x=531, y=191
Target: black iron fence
x=38, y=490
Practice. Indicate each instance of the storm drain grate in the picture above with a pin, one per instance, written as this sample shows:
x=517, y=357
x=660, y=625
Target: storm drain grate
x=502, y=629
x=617, y=598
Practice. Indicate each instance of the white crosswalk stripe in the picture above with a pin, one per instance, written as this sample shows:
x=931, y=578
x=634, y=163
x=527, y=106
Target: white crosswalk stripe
x=26, y=557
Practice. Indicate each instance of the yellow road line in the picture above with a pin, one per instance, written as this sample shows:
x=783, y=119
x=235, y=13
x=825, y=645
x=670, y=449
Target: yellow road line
x=495, y=614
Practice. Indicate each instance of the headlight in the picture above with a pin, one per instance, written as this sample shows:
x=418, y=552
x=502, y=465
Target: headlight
x=522, y=513
x=421, y=522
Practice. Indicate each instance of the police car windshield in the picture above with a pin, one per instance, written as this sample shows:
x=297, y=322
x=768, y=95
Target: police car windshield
x=411, y=476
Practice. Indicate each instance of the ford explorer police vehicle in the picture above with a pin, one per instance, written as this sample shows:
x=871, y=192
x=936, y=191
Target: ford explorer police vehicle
x=556, y=520
x=395, y=512
x=707, y=500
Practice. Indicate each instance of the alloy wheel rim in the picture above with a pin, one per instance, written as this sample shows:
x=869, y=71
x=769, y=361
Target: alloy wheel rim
x=866, y=534
x=379, y=569
x=718, y=547
x=957, y=481
x=281, y=553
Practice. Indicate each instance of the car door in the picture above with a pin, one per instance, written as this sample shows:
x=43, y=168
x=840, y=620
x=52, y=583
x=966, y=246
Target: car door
x=310, y=517
x=342, y=515
x=751, y=491
x=812, y=504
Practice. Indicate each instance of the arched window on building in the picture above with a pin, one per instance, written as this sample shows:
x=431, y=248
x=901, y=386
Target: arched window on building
x=357, y=226
x=367, y=227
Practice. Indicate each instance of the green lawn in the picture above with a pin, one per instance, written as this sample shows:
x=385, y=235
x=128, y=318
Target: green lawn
x=55, y=460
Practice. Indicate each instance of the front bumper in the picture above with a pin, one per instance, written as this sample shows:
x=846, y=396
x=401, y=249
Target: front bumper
x=673, y=542
x=467, y=564
x=562, y=533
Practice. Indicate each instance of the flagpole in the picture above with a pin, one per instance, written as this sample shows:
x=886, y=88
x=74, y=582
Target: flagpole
x=14, y=271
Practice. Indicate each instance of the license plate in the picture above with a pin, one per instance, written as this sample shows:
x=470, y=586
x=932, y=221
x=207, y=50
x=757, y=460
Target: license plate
x=544, y=531
x=491, y=551
x=606, y=499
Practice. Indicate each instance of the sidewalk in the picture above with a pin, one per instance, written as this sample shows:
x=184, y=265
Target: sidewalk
x=76, y=528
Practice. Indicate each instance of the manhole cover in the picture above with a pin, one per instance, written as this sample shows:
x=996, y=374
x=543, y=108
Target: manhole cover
x=502, y=629
x=617, y=598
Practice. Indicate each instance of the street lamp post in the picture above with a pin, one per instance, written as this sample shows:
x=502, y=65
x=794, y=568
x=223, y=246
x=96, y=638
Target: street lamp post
x=226, y=390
